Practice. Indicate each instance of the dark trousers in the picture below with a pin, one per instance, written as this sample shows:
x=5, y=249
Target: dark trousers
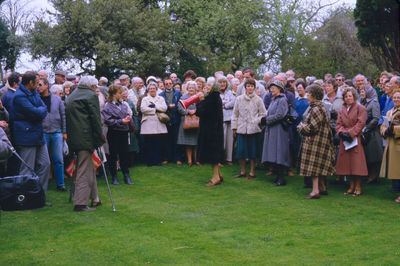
x=152, y=149
x=118, y=146
x=171, y=151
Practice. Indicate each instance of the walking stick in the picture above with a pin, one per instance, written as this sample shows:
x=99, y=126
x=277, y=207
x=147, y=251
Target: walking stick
x=105, y=176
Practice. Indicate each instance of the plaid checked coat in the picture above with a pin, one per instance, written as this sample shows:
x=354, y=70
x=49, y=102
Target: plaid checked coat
x=317, y=154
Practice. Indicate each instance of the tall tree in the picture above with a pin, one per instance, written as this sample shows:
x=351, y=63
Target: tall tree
x=217, y=35
x=377, y=22
x=106, y=37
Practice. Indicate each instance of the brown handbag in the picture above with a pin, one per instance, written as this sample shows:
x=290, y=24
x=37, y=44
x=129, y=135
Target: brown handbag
x=191, y=122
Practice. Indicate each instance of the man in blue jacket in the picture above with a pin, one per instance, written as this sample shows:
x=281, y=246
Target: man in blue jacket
x=28, y=113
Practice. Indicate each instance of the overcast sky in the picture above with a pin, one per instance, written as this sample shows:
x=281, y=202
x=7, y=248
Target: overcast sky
x=25, y=63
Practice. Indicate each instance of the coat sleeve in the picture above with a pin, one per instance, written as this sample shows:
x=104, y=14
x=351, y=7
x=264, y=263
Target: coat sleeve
x=339, y=122
x=30, y=111
x=161, y=105
x=375, y=116
x=231, y=103
x=210, y=106
x=235, y=116
x=95, y=120
x=144, y=107
x=61, y=108
x=281, y=111
x=311, y=125
x=361, y=119
x=182, y=111
x=109, y=119
x=4, y=114
x=5, y=151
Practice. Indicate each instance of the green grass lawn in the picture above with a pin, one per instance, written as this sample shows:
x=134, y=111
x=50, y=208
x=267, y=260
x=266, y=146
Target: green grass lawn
x=170, y=217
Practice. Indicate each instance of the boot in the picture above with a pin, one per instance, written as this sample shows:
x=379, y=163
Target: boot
x=115, y=180
x=127, y=178
x=281, y=179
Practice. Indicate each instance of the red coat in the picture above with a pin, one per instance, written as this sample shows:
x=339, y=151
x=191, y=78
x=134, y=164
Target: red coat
x=351, y=162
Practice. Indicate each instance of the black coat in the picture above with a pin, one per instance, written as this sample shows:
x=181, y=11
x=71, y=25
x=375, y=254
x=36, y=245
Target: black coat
x=211, y=133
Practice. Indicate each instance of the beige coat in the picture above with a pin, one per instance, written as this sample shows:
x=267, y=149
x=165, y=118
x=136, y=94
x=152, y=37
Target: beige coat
x=150, y=122
x=390, y=167
x=247, y=114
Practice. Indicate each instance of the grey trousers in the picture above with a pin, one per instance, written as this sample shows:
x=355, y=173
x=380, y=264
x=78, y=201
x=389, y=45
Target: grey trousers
x=228, y=140
x=85, y=182
x=37, y=157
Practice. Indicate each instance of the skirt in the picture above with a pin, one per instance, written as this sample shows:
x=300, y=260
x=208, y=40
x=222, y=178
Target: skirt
x=248, y=146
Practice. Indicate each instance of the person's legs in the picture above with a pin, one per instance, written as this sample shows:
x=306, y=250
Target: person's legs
x=279, y=169
x=42, y=165
x=357, y=191
x=242, y=163
x=124, y=155
x=228, y=141
x=85, y=183
x=112, y=139
x=189, y=152
x=352, y=186
x=252, y=167
x=57, y=153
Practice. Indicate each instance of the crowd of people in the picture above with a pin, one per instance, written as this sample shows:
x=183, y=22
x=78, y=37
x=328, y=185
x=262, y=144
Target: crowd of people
x=349, y=128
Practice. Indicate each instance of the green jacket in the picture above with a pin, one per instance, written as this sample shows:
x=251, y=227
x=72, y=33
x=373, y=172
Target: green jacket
x=83, y=120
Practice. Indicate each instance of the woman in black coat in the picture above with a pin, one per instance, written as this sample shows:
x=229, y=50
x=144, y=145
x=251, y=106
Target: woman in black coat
x=211, y=134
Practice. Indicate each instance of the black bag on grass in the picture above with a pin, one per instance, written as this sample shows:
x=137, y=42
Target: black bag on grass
x=21, y=192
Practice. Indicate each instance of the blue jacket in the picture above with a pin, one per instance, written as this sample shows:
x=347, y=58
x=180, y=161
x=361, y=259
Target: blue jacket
x=28, y=113
x=388, y=106
x=7, y=100
x=173, y=114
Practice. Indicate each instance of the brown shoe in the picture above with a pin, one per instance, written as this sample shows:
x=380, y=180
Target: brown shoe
x=240, y=175
x=269, y=173
x=164, y=162
x=316, y=196
x=83, y=208
x=211, y=183
x=290, y=173
x=178, y=163
x=229, y=163
x=96, y=203
x=250, y=177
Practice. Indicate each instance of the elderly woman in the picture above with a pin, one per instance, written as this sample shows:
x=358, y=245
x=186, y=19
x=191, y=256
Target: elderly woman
x=390, y=129
x=276, y=139
x=351, y=159
x=247, y=115
x=57, y=90
x=211, y=131
x=117, y=118
x=152, y=128
x=234, y=85
x=201, y=83
x=373, y=147
x=317, y=153
x=188, y=137
x=228, y=101
x=133, y=147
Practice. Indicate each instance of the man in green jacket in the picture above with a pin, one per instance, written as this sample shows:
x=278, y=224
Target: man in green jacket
x=84, y=136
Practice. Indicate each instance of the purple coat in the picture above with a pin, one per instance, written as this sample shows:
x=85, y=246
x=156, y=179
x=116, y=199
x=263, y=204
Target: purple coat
x=113, y=115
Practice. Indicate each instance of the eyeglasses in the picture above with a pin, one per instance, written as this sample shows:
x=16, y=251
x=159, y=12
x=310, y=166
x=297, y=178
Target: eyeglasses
x=40, y=85
x=339, y=79
x=168, y=83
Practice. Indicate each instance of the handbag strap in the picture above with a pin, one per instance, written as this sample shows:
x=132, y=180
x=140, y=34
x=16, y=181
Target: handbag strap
x=19, y=157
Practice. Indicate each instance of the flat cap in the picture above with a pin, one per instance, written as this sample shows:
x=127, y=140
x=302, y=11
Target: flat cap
x=60, y=73
x=276, y=83
x=124, y=76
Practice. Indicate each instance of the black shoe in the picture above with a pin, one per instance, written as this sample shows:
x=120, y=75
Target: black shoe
x=83, y=208
x=62, y=189
x=48, y=204
x=280, y=183
x=127, y=179
x=115, y=180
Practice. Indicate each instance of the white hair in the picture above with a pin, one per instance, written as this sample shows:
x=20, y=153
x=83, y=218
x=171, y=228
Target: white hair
x=56, y=89
x=219, y=73
x=104, y=79
x=192, y=83
x=136, y=79
x=269, y=74
x=235, y=80
x=291, y=71
x=88, y=81
x=359, y=75
x=211, y=80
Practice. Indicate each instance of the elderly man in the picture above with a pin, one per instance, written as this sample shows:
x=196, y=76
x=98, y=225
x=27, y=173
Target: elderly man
x=28, y=113
x=249, y=73
x=43, y=74
x=84, y=136
x=327, y=76
x=173, y=76
x=268, y=76
x=125, y=80
x=60, y=77
x=361, y=81
x=290, y=74
x=229, y=77
x=138, y=89
x=239, y=75
x=103, y=81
